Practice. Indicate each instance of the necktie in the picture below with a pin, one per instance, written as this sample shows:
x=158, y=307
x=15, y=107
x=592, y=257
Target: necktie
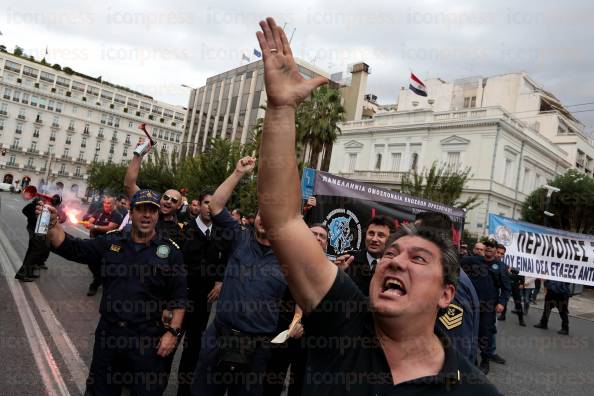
x=207, y=234
x=373, y=264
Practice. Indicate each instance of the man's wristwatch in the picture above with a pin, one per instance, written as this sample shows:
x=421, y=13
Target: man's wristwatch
x=175, y=331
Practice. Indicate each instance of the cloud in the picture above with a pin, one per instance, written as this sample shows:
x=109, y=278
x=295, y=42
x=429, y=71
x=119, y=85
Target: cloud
x=158, y=46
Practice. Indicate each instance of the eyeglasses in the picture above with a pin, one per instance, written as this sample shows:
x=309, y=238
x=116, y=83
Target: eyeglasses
x=167, y=198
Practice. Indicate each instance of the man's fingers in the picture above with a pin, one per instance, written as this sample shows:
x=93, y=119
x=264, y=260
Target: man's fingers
x=316, y=82
x=275, y=34
x=286, y=45
x=263, y=45
x=268, y=34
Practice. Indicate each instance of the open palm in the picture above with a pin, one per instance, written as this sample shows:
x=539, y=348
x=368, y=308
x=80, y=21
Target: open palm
x=285, y=86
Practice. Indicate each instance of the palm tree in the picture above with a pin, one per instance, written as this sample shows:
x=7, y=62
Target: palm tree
x=317, y=120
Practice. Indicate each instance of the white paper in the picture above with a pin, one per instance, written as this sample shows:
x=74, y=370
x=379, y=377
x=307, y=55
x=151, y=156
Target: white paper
x=281, y=338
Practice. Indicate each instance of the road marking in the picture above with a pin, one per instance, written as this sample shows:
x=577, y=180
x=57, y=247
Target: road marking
x=46, y=364
x=76, y=366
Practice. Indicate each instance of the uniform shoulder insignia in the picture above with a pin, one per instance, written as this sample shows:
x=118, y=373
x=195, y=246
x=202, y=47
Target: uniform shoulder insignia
x=181, y=225
x=453, y=317
x=113, y=232
x=173, y=243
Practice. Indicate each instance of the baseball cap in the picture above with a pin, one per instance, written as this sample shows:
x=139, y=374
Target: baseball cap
x=145, y=196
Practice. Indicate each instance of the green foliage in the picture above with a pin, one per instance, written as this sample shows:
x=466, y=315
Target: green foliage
x=108, y=178
x=18, y=51
x=573, y=206
x=205, y=171
x=439, y=184
x=317, y=120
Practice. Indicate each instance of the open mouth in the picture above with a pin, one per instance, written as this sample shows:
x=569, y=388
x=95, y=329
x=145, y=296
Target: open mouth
x=394, y=286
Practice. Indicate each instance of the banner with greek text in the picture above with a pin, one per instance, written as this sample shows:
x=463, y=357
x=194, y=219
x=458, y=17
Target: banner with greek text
x=543, y=252
x=346, y=206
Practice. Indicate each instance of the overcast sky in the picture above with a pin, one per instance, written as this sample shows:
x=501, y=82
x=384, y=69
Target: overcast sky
x=155, y=46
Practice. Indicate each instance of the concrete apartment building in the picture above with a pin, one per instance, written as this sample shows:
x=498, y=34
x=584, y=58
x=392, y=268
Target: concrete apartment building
x=54, y=124
x=514, y=135
x=229, y=105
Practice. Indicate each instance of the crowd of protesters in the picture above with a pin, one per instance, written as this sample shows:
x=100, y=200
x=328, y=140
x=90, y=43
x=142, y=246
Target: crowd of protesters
x=409, y=313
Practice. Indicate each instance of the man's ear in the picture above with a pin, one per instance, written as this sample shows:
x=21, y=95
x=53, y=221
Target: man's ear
x=447, y=295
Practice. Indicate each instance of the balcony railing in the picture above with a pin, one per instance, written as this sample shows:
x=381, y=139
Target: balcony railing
x=32, y=151
x=4, y=113
x=62, y=173
x=21, y=117
x=13, y=165
x=86, y=132
x=29, y=167
x=15, y=147
x=55, y=125
x=38, y=121
x=70, y=128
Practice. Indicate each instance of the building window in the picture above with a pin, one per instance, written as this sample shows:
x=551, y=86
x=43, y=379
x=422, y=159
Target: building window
x=507, y=175
x=83, y=142
x=19, y=129
x=33, y=146
x=453, y=160
x=7, y=93
x=36, y=132
x=352, y=162
x=66, y=152
x=469, y=101
x=378, y=161
x=52, y=136
x=396, y=157
x=77, y=171
x=414, y=160
x=25, y=99
x=527, y=180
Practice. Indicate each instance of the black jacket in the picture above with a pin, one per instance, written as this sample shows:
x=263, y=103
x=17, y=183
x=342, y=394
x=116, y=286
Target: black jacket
x=204, y=259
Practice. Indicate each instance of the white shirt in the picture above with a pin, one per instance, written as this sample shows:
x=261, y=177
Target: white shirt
x=203, y=227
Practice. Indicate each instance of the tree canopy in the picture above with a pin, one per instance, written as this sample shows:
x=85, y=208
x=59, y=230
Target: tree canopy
x=572, y=207
x=440, y=184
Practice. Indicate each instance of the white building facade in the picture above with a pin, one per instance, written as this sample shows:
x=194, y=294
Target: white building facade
x=513, y=135
x=55, y=124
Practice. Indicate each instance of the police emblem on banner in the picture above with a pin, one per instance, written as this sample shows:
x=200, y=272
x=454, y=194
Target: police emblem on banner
x=344, y=231
x=503, y=235
x=453, y=317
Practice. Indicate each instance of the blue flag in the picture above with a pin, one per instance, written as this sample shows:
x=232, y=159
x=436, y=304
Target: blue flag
x=257, y=53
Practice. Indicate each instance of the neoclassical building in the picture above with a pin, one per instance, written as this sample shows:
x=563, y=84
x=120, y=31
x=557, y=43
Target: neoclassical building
x=54, y=124
x=513, y=135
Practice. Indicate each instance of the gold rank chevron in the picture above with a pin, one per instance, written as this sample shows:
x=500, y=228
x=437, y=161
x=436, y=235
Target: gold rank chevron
x=453, y=317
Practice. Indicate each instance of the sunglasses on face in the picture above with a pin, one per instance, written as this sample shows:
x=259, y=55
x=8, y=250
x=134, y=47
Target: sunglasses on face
x=167, y=198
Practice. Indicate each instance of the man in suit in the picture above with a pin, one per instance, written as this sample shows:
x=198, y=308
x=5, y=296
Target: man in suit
x=376, y=236
x=205, y=255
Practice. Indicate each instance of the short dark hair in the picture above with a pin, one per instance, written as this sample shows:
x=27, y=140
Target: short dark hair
x=238, y=211
x=203, y=194
x=500, y=246
x=320, y=225
x=383, y=221
x=435, y=220
x=122, y=196
x=441, y=238
x=491, y=243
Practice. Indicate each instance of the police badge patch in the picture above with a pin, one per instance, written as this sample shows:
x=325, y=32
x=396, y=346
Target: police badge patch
x=163, y=251
x=453, y=317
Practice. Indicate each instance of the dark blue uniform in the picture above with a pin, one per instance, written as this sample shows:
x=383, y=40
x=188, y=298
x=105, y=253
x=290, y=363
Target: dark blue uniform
x=492, y=286
x=140, y=281
x=235, y=348
x=461, y=320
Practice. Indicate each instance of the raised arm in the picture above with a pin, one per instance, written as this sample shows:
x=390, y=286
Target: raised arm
x=309, y=273
x=223, y=192
x=130, y=186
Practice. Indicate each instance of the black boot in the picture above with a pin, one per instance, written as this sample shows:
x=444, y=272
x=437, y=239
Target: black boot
x=541, y=326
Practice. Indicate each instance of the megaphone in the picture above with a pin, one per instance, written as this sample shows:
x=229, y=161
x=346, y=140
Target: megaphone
x=30, y=192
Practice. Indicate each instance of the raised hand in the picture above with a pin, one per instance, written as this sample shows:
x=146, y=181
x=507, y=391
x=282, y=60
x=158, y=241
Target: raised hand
x=245, y=165
x=285, y=86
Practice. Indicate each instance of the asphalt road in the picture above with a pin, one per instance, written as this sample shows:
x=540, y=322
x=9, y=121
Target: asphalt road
x=47, y=327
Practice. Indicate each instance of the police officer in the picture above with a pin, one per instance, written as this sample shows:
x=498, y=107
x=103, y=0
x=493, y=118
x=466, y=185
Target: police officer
x=143, y=275
x=460, y=321
x=492, y=286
